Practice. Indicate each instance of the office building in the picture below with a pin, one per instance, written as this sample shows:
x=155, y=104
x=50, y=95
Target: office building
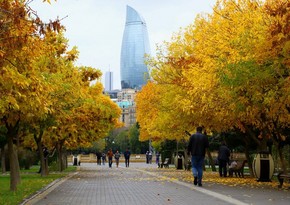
x=135, y=44
x=109, y=81
x=125, y=100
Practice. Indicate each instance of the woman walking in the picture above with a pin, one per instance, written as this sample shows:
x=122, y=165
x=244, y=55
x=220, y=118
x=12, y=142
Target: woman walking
x=117, y=157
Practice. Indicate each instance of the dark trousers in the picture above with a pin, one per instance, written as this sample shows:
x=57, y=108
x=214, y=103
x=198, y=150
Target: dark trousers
x=127, y=161
x=223, y=168
x=110, y=161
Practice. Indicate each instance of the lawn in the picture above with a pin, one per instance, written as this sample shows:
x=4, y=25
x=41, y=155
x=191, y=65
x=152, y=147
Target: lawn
x=31, y=182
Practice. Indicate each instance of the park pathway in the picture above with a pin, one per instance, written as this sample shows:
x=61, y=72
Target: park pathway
x=101, y=185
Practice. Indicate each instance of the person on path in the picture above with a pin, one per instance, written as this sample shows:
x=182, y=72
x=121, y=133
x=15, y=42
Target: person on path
x=147, y=157
x=103, y=158
x=233, y=165
x=127, y=154
x=117, y=157
x=110, y=157
x=198, y=143
x=223, y=159
x=150, y=157
x=99, y=156
x=157, y=157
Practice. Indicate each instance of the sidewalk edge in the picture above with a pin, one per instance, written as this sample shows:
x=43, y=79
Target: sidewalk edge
x=46, y=190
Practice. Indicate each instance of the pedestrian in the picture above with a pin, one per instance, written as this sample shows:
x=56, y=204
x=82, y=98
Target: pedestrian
x=127, y=154
x=103, y=158
x=198, y=143
x=233, y=165
x=223, y=159
x=110, y=157
x=99, y=156
x=157, y=157
x=150, y=157
x=147, y=157
x=117, y=157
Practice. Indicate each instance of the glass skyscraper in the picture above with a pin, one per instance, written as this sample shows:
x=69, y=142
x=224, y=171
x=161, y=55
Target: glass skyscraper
x=135, y=44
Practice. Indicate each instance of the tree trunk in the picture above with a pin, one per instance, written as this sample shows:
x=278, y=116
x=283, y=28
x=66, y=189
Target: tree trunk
x=211, y=161
x=250, y=164
x=282, y=159
x=59, y=156
x=43, y=159
x=14, y=165
x=3, y=163
x=262, y=146
x=65, y=159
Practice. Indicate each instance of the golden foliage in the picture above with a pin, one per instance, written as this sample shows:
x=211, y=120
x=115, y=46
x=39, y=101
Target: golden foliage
x=41, y=86
x=228, y=69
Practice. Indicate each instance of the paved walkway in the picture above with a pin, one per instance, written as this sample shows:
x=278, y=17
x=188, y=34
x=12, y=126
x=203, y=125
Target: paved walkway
x=102, y=185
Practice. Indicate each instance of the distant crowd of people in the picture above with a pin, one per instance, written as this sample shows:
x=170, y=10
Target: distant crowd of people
x=196, y=149
x=110, y=156
x=102, y=157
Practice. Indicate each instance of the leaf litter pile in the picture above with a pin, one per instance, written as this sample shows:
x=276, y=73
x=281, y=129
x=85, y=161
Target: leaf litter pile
x=173, y=174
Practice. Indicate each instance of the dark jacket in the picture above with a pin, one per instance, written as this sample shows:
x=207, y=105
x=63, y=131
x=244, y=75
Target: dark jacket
x=224, y=153
x=197, y=144
x=127, y=154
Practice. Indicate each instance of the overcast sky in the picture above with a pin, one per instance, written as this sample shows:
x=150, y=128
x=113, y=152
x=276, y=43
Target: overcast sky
x=96, y=26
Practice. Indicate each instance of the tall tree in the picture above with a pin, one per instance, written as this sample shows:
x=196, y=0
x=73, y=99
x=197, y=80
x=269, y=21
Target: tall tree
x=22, y=84
x=225, y=74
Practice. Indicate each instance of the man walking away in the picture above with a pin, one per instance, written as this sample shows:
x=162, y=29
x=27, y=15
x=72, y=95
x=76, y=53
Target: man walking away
x=223, y=158
x=198, y=143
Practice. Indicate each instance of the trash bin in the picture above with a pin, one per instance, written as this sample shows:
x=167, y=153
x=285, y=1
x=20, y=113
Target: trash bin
x=179, y=159
x=263, y=166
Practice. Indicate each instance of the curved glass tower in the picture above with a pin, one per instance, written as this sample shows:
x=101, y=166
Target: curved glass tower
x=135, y=45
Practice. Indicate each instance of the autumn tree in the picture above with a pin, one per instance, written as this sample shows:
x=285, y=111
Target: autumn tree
x=43, y=91
x=225, y=74
x=57, y=66
x=22, y=84
x=85, y=116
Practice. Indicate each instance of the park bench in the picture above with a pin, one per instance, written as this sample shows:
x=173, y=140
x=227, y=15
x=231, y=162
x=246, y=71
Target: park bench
x=164, y=164
x=238, y=170
x=281, y=176
x=137, y=157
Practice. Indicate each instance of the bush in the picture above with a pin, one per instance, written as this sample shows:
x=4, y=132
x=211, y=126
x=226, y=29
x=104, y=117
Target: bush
x=26, y=158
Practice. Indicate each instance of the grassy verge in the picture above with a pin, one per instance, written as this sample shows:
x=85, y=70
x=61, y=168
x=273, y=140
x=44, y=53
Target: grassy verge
x=31, y=182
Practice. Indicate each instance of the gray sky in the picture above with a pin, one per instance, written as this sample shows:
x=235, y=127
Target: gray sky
x=96, y=26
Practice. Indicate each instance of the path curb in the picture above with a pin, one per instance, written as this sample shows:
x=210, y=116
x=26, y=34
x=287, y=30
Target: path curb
x=46, y=190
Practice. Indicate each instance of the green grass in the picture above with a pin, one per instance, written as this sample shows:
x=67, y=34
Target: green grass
x=31, y=182
x=246, y=169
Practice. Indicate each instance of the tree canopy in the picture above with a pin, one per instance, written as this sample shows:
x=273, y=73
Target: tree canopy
x=46, y=100
x=228, y=70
